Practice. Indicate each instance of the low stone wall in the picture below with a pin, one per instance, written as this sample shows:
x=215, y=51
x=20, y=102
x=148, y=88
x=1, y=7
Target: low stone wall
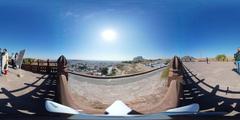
x=65, y=97
x=174, y=92
x=114, y=77
x=170, y=99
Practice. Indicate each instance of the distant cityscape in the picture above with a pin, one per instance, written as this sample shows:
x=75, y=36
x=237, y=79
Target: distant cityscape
x=115, y=68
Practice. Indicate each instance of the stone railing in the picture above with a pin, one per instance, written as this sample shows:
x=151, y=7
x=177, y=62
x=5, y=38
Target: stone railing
x=175, y=78
x=65, y=96
x=175, y=70
x=47, y=67
x=114, y=77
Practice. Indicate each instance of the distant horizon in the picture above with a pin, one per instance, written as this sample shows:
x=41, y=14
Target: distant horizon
x=95, y=59
x=115, y=60
x=232, y=56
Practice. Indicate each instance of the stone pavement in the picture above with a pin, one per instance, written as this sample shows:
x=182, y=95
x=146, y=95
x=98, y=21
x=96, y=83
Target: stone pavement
x=215, y=86
x=141, y=92
x=220, y=74
x=26, y=94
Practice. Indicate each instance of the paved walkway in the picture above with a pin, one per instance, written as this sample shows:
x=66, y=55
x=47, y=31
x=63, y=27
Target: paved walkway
x=219, y=74
x=27, y=94
x=214, y=86
x=141, y=92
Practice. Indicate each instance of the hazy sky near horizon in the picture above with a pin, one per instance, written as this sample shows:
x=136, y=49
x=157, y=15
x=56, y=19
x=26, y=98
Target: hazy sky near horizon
x=150, y=28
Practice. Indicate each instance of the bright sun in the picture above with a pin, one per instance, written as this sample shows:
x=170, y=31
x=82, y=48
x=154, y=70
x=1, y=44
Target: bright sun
x=109, y=35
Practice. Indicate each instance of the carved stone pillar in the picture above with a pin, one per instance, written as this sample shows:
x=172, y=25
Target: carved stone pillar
x=62, y=66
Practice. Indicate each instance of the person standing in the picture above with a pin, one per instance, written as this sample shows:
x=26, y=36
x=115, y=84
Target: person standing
x=12, y=61
x=4, y=62
x=1, y=61
x=207, y=60
x=15, y=60
x=237, y=60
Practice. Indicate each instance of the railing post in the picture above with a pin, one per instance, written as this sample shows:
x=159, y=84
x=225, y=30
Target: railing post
x=175, y=70
x=176, y=62
x=62, y=66
x=48, y=67
x=38, y=68
x=30, y=68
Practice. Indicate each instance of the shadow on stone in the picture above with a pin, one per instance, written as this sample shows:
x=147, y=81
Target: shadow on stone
x=31, y=102
x=208, y=101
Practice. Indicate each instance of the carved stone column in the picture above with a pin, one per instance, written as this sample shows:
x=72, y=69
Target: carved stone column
x=62, y=66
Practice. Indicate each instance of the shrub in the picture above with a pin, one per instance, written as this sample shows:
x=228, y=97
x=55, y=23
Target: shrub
x=221, y=57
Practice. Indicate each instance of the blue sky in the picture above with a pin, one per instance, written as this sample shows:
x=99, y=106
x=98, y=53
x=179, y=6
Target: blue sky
x=150, y=28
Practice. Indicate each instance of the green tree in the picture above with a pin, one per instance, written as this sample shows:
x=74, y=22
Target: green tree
x=221, y=57
x=104, y=71
x=28, y=60
x=83, y=67
x=113, y=73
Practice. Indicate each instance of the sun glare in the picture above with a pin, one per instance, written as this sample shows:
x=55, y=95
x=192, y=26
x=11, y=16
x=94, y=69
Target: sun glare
x=109, y=35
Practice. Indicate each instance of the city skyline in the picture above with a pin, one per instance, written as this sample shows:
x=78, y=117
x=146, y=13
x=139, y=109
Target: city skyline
x=120, y=30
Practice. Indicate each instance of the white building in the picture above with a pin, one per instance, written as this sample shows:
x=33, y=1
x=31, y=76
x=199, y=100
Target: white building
x=138, y=59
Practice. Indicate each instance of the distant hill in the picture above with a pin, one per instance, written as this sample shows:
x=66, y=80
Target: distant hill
x=93, y=62
x=188, y=59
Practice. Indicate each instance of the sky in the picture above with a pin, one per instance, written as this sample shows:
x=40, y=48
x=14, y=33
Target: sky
x=148, y=28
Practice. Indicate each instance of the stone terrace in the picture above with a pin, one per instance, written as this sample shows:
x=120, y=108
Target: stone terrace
x=215, y=86
x=26, y=94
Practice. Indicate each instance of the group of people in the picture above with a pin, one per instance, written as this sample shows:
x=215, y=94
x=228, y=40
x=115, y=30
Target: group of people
x=4, y=61
x=4, y=58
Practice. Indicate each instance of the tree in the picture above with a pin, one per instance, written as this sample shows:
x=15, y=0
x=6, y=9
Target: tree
x=221, y=57
x=83, y=67
x=113, y=73
x=28, y=60
x=104, y=71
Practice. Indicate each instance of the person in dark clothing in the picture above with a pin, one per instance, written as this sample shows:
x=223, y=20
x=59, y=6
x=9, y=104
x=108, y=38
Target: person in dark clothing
x=15, y=60
x=237, y=60
x=207, y=60
x=12, y=60
x=1, y=61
